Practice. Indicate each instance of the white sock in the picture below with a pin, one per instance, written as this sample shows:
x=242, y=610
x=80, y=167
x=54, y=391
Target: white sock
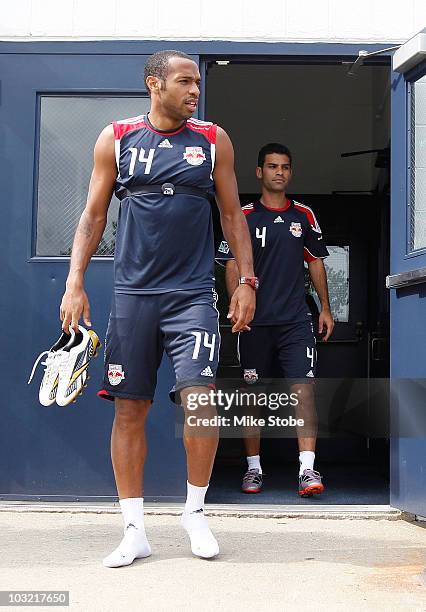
x=203, y=542
x=134, y=545
x=306, y=460
x=254, y=463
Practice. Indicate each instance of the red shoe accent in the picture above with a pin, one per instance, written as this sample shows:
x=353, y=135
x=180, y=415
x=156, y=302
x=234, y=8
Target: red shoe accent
x=312, y=490
x=259, y=491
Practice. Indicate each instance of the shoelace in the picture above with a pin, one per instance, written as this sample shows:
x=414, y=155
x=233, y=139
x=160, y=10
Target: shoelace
x=67, y=365
x=64, y=365
x=252, y=476
x=51, y=357
x=310, y=475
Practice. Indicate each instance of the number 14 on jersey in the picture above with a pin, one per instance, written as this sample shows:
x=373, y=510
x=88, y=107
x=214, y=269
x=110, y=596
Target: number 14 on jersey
x=142, y=159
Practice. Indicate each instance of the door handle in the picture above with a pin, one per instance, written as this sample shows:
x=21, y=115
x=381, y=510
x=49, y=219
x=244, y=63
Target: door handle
x=375, y=349
x=359, y=329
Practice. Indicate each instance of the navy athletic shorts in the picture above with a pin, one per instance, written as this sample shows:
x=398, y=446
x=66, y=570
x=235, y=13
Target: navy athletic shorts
x=141, y=327
x=278, y=351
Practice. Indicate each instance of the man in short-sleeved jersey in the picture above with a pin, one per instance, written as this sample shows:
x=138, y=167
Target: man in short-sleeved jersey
x=284, y=234
x=165, y=167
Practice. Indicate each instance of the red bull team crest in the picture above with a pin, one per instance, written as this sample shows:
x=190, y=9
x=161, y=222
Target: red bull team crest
x=194, y=155
x=296, y=229
x=115, y=374
x=251, y=376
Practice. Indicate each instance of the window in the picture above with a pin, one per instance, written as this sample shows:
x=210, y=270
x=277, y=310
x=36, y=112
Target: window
x=337, y=269
x=417, y=197
x=69, y=127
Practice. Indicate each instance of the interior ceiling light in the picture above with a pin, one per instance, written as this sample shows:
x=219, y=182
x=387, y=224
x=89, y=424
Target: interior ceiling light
x=222, y=62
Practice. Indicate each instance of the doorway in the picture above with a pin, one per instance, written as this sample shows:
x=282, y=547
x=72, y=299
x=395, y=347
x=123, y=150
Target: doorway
x=338, y=130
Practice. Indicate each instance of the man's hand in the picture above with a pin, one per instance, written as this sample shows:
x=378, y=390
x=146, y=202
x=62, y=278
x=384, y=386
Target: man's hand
x=242, y=307
x=326, y=323
x=74, y=304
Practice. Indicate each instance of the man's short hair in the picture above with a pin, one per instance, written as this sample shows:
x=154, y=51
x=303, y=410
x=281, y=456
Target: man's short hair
x=158, y=64
x=272, y=147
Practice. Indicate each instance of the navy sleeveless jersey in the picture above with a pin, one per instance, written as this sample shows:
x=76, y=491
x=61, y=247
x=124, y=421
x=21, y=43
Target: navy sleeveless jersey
x=164, y=243
x=282, y=239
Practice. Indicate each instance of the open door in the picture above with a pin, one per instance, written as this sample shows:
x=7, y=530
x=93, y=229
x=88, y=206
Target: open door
x=337, y=128
x=407, y=281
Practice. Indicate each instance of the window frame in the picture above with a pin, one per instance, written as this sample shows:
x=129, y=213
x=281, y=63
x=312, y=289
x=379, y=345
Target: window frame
x=64, y=93
x=411, y=79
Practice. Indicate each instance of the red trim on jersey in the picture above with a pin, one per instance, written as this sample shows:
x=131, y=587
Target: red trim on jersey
x=288, y=204
x=120, y=129
x=247, y=211
x=309, y=213
x=307, y=255
x=209, y=130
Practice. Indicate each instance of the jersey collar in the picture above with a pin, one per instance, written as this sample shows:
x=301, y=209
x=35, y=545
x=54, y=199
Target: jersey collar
x=163, y=132
x=286, y=207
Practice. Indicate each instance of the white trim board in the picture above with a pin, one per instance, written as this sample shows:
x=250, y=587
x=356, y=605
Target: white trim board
x=410, y=53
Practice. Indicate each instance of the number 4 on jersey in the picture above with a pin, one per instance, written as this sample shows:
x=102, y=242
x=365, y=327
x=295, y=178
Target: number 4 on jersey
x=142, y=159
x=261, y=235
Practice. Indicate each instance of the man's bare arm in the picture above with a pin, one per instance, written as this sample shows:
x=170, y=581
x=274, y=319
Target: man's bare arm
x=235, y=230
x=89, y=231
x=232, y=218
x=232, y=280
x=231, y=276
x=319, y=278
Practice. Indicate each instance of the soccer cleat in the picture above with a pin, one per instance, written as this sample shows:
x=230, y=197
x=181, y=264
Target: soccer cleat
x=73, y=372
x=310, y=483
x=252, y=481
x=57, y=355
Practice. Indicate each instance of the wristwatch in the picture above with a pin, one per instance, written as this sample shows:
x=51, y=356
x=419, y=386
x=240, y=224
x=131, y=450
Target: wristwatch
x=253, y=281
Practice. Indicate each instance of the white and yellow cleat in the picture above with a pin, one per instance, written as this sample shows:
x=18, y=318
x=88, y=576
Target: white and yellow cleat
x=73, y=372
x=56, y=357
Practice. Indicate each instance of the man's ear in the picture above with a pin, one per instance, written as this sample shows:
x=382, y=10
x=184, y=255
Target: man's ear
x=153, y=84
x=259, y=172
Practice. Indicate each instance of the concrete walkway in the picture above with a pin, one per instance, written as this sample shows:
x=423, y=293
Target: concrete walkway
x=268, y=564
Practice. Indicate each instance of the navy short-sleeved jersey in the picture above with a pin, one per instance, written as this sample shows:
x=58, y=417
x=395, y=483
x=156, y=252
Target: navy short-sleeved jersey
x=164, y=243
x=282, y=239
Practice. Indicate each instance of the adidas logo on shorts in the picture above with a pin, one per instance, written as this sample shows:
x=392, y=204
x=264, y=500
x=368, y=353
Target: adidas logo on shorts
x=310, y=374
x=207, y=372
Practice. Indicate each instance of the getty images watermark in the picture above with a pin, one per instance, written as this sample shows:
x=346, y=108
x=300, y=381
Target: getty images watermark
x=223, y=400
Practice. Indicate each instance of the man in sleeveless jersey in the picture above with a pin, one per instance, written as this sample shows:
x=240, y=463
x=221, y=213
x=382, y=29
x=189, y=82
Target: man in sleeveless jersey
x=166, y=168
x=284, y=234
